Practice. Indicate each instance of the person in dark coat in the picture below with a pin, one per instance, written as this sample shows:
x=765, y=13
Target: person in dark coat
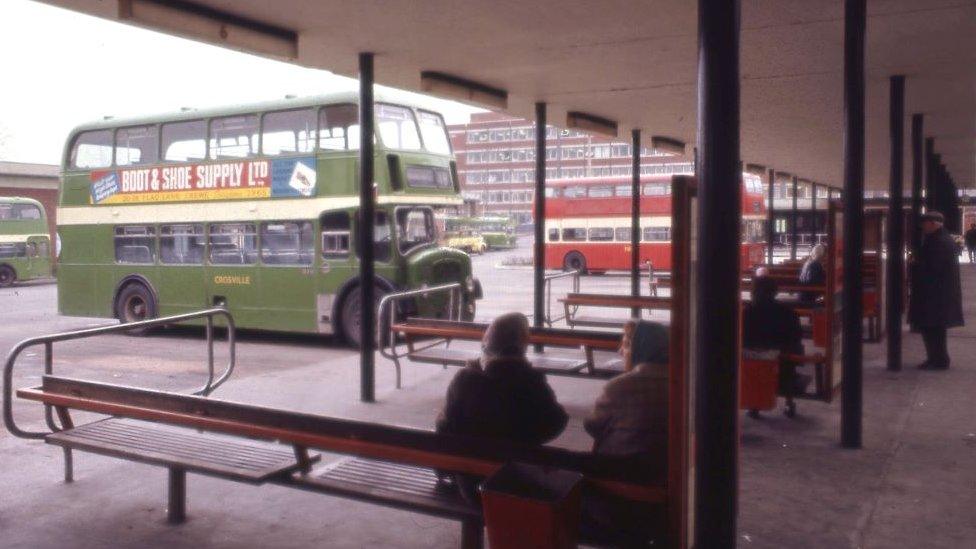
x=971, y=242
x=935, y=303
x=771, y=330
x=500, y=396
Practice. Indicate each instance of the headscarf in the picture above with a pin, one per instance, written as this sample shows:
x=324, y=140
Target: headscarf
x=817, y=253
x=506, y=336
x=649, y=343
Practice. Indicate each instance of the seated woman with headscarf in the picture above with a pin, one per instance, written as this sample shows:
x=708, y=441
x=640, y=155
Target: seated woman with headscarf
x=629, y=423
x=500, y=396
x=813, y=272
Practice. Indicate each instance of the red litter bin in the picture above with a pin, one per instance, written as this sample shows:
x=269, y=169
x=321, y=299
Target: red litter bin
x=528, y=506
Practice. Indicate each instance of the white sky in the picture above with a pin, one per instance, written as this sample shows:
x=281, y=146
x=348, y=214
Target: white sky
x=61, y=69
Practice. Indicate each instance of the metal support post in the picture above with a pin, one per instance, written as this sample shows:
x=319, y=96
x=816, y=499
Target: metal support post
x=716, y=343
x=770, y=216
x=855, y=20
x=367, y=218
x=895, y=275
x=176, y=511
x=539, y=264
x=813, y=214
x=930, y=174
x=918, y=171
x=635, y=201
x=793, y=224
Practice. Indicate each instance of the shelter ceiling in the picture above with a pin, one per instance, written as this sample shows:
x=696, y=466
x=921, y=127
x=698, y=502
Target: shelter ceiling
x=634, y=61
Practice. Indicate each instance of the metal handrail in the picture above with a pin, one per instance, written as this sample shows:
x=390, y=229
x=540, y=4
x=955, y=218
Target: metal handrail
x=49, y=340
x=547, y=285
x=454, y=309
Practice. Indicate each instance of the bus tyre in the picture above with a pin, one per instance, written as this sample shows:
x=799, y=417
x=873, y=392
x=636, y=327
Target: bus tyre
x=134, y=303
x=574, y=261
x=352, y=315
x=7, y=276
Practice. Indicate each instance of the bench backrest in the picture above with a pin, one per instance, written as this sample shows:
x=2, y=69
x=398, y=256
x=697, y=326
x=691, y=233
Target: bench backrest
x=474, y=331
x=610, y=300
x=392, y=443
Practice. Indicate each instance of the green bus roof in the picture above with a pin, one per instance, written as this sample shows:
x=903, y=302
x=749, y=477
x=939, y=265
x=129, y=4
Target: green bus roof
x=336, y=98
x=21, y=200
x=247, y=108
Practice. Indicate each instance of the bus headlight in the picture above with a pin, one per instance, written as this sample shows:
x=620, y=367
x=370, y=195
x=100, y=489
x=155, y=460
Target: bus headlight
x=469, y=284
x=473, y=286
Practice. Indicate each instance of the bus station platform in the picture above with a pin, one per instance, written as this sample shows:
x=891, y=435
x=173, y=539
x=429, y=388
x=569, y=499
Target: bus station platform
x=912, y=484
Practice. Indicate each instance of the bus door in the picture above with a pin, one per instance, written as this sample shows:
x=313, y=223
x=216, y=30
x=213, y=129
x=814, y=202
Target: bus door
x=38, y=257
x=232, y=273
x=336, y=265
x=287, y=284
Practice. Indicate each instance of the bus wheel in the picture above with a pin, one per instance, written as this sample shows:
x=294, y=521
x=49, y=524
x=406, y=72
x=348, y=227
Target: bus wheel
x=352, y=315
x=134, y=303
x=7, y=276
x=574, y=261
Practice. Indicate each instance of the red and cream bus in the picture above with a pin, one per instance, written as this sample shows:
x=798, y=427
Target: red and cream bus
x=588, y=223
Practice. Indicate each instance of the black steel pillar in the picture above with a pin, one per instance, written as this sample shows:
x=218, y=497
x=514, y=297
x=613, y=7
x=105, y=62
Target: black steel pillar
x=539, y=263
x=895, y=275
x=367, y=215
x=855, y=21
x=716, y=343
x=918, y=171
x=813, y=213
x=930, y=172
x=635, y=200
x=793, y=224
x=770, y=216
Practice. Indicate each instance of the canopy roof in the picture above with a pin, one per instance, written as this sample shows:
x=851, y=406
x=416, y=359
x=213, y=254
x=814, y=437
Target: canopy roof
x=631, y=61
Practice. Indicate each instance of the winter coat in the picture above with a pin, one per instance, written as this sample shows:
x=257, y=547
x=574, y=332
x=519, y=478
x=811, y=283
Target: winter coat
x=936, y=298
x=630, y=418
x=971, y=239
x=771, y=326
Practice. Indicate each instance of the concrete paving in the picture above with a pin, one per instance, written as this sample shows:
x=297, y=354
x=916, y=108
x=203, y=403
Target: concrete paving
x=912, y=485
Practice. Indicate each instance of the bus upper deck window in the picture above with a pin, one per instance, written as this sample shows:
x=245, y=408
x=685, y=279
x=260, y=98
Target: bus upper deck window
x=92, y=150
x=397, y=127
x=286, y=132
x=136, y=145
x=339, y=128
x=184, y=141
x=434, y=132
x=233, y=136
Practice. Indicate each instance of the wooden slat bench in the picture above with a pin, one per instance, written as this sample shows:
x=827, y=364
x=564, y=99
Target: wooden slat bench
x=417, y=331
x=573, y=301
x=387, y=465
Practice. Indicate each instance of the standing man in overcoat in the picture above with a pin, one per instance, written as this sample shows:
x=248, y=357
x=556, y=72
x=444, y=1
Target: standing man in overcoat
x=936, y=298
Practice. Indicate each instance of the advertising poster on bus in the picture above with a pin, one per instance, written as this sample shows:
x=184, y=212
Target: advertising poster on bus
x=238, y=179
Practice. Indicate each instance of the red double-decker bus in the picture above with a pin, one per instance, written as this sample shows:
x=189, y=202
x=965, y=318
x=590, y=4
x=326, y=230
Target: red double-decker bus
x=588, y=223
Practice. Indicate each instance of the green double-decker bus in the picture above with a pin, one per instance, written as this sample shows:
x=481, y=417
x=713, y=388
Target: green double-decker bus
x=498, y=232
x=25, y=247
x=255, y=208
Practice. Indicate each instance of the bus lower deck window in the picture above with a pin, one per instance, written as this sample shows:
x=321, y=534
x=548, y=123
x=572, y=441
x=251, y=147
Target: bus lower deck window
x=233, y=244
x=135, y=244
x=181, y=244
x=553, y=235
x=286, y=243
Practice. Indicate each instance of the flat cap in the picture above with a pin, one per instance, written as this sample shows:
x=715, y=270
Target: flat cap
x=933, y=215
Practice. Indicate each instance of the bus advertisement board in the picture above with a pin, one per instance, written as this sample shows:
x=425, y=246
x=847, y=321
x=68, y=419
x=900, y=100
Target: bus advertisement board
x=239, y=179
